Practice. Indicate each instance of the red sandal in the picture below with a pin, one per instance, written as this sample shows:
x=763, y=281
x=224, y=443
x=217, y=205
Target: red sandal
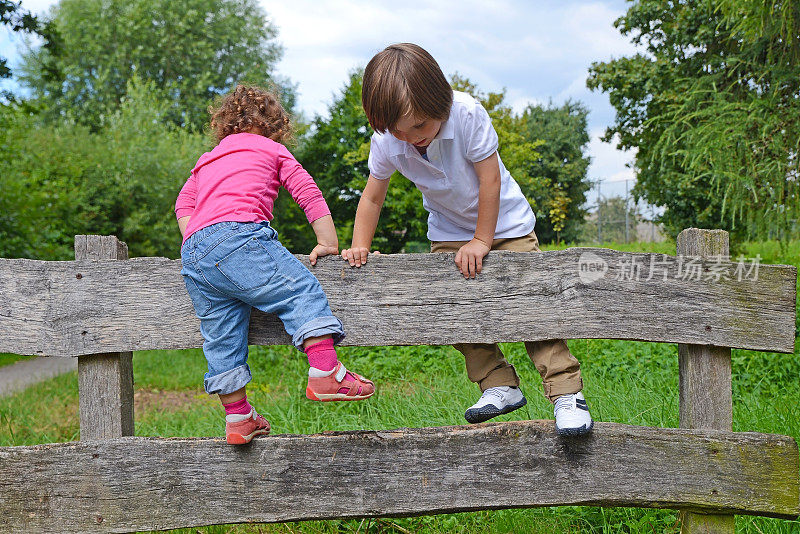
x=337, y=386
x=243, y=429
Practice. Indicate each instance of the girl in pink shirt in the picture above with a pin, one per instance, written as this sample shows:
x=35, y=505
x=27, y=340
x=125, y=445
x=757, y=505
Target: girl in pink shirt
x=232, y=260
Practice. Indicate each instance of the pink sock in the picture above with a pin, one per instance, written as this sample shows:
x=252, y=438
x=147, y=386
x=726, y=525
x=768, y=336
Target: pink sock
x=240, y=407
x=322, y=355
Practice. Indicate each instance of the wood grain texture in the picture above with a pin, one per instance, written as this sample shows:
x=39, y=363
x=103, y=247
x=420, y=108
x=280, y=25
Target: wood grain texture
x=128, y=484
x=706, y=398
x=707, y=523
x=105, y=381
x=105, y=387
x=100, y=247
x=85, y=307
x=705, y=372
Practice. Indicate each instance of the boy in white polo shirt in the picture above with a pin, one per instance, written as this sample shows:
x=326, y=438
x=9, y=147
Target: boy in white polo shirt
x=444, y=142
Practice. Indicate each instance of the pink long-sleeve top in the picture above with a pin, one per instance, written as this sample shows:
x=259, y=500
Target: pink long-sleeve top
x=238, y=181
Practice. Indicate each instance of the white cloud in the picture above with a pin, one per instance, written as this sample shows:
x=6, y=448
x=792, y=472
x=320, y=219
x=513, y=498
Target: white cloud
x=592, y=25
x=37, y=7
x=576, y=88
x=7, y=46
x=536, y=50
x=609, y=163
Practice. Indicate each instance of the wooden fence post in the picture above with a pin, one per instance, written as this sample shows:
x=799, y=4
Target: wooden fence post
x=105, y=381
x=706, y=400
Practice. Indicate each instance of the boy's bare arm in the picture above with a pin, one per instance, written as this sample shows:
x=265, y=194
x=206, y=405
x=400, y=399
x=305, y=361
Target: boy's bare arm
x=469, y=258
x=183, y=222
x=367, y=214
x=488, y=172
x=327, y=240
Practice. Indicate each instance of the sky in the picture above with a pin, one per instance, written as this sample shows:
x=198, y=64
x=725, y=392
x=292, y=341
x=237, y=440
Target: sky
x=539, y=51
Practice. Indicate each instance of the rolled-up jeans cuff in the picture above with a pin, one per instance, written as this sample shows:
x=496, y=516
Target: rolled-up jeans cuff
x=229, y=381
x=319, y=326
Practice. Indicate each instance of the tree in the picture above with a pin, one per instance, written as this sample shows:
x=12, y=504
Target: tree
x=138, y=164
x=19, y=20
x=337, y=148
x=611, y=223
x=192, y=51
x=543, y=151
x=563, y=130
x=22, y=209
x=713, y=108
x=335, y=153
x=63, y=179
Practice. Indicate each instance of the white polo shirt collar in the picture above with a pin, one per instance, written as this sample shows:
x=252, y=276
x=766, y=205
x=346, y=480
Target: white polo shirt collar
x=398, y=148
x=447, y=180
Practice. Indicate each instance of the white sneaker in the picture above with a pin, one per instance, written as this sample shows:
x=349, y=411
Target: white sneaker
x=495, y=401
x=572, y=415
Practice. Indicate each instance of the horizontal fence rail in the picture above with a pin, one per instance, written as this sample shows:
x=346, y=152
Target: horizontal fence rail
x=103, y=305
x=127, y=484
x=74, y=308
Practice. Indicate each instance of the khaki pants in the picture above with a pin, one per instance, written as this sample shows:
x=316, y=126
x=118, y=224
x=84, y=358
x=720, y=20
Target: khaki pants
x=486, y=365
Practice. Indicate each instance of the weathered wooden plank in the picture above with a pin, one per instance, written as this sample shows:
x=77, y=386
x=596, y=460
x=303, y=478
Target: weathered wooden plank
x=706, y=399
x=130, y=484
x=105, y=381
x=707, y=523
x=73, y=308
x=105, y=387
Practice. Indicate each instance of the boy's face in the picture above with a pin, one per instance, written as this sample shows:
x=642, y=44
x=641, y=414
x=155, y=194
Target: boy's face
x=418, y=131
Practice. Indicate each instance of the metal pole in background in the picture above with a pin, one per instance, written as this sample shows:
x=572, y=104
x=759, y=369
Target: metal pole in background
x=599, y=220
x=627, y=200
x=652, y=224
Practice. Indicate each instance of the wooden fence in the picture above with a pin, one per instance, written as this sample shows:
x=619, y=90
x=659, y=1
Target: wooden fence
x=99, y=309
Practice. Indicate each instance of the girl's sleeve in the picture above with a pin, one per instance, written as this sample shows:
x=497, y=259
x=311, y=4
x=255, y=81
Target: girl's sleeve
x=294, y=178
x=187, y=198
x=479, y=134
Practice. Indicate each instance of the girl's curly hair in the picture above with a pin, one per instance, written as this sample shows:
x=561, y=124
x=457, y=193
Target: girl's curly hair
x=250, y=109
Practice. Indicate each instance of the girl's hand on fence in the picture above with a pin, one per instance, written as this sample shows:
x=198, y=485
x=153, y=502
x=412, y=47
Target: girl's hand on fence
x=356, y=256
x=469, y=258
x=320, y=251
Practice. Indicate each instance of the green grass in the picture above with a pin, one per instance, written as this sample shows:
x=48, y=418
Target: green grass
x=665, y=247
x=8, y=359
x=625, y=382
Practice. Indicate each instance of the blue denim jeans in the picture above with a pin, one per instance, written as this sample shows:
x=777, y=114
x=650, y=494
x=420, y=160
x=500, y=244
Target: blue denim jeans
x=230, y=268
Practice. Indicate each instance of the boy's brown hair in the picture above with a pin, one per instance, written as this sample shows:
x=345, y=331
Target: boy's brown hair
x=250, y=109
x=403, y=79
